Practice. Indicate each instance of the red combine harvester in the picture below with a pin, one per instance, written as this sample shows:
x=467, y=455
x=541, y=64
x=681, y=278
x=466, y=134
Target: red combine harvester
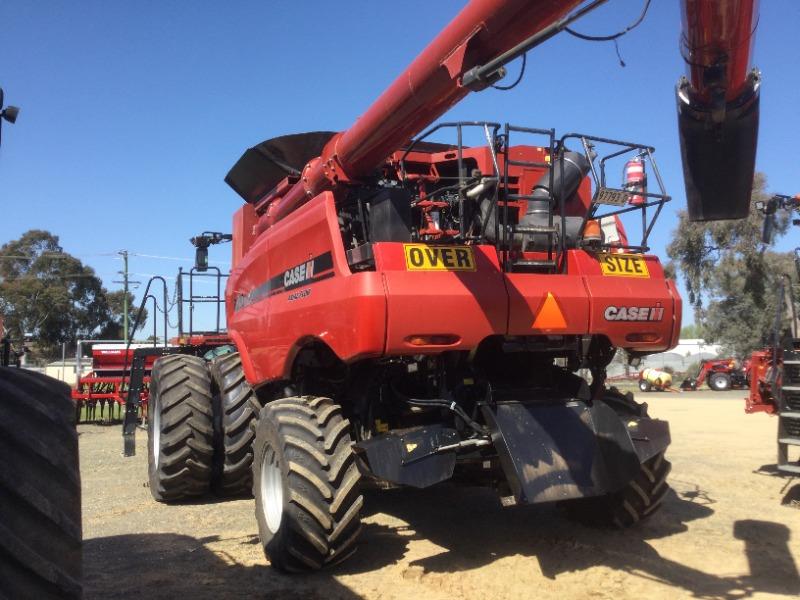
x=407, y=310
x=105, y=385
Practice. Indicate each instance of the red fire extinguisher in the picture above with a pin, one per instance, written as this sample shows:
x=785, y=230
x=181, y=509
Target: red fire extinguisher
x=635, y=181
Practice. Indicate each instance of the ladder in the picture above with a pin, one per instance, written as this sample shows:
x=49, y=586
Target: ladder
x=551, y=263
x=789, y=410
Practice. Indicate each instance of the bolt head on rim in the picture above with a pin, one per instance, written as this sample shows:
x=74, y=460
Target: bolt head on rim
x=271, y=489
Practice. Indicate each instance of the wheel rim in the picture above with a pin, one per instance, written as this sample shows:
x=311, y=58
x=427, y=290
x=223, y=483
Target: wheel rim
x=156, y=439
x=271, y=490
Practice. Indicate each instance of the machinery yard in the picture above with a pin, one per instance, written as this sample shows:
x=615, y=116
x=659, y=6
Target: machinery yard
x=420, y=369
x=723, y=534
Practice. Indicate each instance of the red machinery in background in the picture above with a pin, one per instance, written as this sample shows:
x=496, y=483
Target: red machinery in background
x=720, y=374
x=764, y=375
x=106, y=384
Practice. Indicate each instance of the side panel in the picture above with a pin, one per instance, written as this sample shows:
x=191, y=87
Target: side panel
x=299, y=289
x=536, y=301
x=639, y=313
x=244, y=220
x=247, y=313
x=468, y=305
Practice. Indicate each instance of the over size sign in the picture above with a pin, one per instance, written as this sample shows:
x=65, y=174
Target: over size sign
x=422, y=257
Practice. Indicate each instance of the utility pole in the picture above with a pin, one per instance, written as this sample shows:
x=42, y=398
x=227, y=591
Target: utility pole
x=125, y=282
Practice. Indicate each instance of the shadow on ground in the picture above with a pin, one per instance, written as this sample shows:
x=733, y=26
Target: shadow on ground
x=181, y=567
x=475, y=531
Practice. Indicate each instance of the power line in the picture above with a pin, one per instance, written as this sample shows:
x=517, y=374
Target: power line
x=176, y=258
x=125, y=281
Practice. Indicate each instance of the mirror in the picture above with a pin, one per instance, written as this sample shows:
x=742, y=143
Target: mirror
x=10, y=113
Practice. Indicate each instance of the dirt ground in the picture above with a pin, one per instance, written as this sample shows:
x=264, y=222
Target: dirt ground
x=723, y=533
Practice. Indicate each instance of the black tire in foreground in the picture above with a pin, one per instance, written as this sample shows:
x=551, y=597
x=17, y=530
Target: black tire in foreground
x=719, y=382
x=639, y=499
x=40, y=488
x=306, y=484
x=235, y=407
x=179, y=428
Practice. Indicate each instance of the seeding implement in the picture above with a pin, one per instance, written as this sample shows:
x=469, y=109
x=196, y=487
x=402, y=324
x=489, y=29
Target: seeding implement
x=104, y=387
x=411, y=310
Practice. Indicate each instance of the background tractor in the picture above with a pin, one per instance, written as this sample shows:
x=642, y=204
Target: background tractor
x=720, y=374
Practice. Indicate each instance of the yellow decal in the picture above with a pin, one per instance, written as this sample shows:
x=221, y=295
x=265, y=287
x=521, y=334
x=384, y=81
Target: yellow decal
x=411, y=446
x=623, y=265
x=422, y=257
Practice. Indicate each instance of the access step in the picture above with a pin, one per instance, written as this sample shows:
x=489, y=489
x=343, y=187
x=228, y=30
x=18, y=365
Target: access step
x=539, y=264
x=536, y=229
x=795, y=469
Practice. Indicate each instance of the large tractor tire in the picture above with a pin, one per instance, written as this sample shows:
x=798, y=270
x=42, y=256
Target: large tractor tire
x=306, y=484
x=40, y=488
x=719, y=382
x=235, y=407
x=639, y=499
x=180, y=429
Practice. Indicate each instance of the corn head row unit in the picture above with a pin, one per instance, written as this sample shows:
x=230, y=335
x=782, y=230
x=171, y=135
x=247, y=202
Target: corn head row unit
x=404, y=310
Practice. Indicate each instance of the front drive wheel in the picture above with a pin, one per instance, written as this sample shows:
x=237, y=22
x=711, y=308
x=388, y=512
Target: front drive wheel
x=719, y=382
x=179, y=428
x=235, y=406
x=306, y=484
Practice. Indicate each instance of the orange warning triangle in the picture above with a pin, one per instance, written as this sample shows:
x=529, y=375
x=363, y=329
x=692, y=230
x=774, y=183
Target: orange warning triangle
x=550, y=315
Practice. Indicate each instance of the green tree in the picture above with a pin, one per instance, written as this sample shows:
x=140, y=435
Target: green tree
x=114, y=328
x=49, y=295
x=692, y=331
x=731, y=277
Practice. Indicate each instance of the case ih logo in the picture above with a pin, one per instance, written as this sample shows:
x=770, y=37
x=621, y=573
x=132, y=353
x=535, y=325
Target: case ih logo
x=299, y=274
x=634, y=313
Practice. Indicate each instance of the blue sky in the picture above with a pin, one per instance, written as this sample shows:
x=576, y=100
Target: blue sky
x=132, y=113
